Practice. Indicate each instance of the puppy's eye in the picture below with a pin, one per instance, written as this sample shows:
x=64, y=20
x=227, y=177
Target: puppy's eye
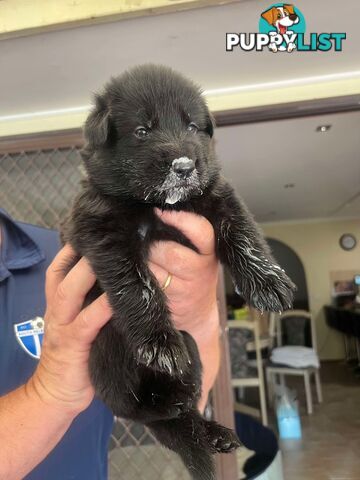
x=192, y=127
x=141, y=132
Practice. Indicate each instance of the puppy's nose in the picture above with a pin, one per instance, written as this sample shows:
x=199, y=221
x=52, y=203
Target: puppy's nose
x=183, y=166
x=293, y=17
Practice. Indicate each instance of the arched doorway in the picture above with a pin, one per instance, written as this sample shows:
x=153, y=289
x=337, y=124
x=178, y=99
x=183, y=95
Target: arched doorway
x=293, y=266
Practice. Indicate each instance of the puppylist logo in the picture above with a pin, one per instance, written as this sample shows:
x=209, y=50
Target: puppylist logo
x=282, y=29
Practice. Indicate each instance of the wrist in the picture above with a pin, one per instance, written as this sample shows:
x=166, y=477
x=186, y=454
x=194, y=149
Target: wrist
x=206, y=324
x=207, y=337
x=38, y=427
x=37, y=391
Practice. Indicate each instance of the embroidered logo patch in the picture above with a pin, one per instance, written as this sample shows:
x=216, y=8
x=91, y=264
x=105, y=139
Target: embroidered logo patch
x=30, y=336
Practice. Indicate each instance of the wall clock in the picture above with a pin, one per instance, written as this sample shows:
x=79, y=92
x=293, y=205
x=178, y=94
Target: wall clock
x=347, y=241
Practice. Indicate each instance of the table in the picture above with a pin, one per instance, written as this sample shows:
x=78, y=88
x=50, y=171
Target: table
x=346, y=321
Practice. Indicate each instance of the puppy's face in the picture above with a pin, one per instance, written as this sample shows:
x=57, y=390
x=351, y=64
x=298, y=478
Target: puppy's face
x=149, y=138
x=281, y=17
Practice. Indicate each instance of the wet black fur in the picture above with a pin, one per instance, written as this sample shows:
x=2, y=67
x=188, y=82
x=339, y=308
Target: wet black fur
x=140, y=365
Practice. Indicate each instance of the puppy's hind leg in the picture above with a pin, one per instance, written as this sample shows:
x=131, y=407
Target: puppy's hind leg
x=195, y=440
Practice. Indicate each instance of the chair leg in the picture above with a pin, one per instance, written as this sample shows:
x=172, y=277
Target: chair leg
x=346, y=345
x=282, y=380
x=239, y=393
x=357, y=343
x=318, y=386
x=263, y=404
x=270, y=386
x=308, y=393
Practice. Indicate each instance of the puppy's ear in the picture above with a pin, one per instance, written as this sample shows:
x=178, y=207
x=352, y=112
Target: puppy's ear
x=270, y=15
x=289, y=8
x=210, y=124
x=97, y=125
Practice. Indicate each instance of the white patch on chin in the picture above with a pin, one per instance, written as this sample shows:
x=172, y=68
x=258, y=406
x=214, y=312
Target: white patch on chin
x=174, y=197
x=176, y=189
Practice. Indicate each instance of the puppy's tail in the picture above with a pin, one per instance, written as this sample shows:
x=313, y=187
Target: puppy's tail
x=195, y=440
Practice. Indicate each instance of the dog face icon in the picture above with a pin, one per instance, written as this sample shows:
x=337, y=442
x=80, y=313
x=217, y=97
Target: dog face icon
x=281, y=18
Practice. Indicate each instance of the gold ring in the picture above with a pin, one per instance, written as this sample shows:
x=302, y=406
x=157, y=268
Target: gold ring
x=167, y=282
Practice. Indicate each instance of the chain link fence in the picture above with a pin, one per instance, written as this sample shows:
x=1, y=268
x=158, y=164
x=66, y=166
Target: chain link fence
x=38, y=187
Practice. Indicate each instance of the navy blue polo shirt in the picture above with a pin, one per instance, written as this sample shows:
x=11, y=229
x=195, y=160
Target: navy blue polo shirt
x=25, y=253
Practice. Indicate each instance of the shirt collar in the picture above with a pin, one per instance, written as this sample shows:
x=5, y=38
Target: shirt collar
x=17, y=249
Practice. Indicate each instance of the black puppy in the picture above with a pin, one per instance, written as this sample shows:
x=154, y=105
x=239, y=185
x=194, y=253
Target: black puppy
x=149, y=143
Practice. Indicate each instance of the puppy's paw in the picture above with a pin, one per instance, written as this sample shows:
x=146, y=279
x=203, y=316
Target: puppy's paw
x=269, y=289
x=291, y=47
x=273, y=47
x=221, y=439
x=276, y=294
x=165, y=353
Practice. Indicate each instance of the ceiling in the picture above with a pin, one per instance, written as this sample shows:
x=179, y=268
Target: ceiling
x=261, y=158
x=59, y=70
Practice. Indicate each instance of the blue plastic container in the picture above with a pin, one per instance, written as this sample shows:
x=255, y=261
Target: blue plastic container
x=288, y=419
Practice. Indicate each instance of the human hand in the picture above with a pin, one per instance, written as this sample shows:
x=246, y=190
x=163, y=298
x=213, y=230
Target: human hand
x=191, y=294
x=62, y=377
x=192, y=291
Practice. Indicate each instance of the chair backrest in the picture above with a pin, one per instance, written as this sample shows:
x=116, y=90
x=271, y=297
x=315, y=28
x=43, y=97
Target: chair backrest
x=254, y=326
x=277, y=321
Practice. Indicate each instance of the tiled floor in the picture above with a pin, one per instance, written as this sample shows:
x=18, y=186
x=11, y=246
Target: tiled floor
x=330, y=445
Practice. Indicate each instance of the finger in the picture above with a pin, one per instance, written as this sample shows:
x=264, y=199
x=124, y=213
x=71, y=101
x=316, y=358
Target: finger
x=159, y=272
x=176, y=259
x=178, y=291
x=161, y=276
x=195, y=227
x=71, y=292
x=56, y=271
x=91, y=319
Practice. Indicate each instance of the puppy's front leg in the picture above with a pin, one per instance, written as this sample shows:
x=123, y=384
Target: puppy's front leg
x=139, y=305
x=272, y=45
x=241, y=246
x=140, y=310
